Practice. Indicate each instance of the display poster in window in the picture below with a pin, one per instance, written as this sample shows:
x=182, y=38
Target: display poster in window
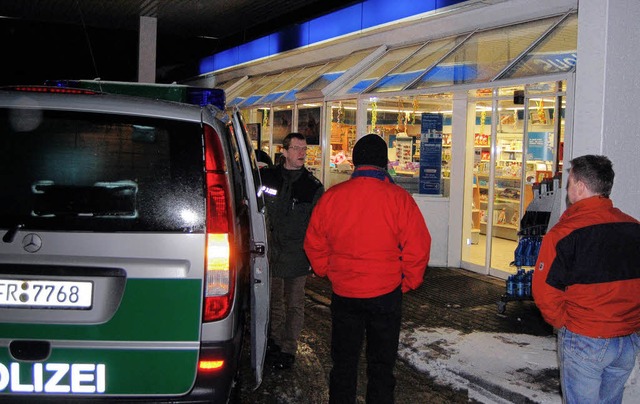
x=253, y=130
x=541, y=146
x=281, y=125
x=309, y=124
x=431, y=154
x=404, y=149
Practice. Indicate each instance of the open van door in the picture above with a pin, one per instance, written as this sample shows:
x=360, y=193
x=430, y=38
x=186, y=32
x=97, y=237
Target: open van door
x=259, y=263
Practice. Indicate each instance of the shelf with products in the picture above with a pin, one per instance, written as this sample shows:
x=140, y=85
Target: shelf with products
x=401, y=155
x=314, y=160
x=446, y=161
x=476, y=212
x=506, y=204
x=514, y=156
x=505, y=221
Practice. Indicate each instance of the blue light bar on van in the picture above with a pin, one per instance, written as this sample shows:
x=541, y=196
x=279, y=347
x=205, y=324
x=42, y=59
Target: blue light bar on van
x=206, y=96
x=169, y=92
x=63, y=83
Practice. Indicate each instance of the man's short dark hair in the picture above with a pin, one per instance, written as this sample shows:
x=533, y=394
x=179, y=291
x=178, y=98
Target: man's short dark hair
x=596, y=172
x=286, y=142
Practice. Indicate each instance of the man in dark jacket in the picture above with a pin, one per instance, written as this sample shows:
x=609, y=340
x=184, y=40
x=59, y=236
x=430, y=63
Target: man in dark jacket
x=291, y=192
x=587, y=285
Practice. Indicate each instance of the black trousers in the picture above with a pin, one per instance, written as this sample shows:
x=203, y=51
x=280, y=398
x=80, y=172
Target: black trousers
x=378, y=320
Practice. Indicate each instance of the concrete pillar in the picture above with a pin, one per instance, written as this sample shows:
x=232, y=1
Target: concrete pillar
x=607, y=97
x=147, y=49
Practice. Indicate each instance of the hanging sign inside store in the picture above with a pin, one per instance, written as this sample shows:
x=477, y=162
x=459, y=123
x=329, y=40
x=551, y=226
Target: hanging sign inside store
x=431, y=154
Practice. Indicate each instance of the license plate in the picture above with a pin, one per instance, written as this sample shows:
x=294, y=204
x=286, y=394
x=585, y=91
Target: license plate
x=41, y=293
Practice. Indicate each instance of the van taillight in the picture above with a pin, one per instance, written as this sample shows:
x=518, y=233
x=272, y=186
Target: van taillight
x=219, y=273
x=210, y=365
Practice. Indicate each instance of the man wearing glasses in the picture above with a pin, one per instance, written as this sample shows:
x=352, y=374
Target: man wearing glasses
x=290, y=192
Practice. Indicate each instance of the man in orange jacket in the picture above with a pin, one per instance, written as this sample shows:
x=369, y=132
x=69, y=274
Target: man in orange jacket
x=369, y=238
x=587, y=285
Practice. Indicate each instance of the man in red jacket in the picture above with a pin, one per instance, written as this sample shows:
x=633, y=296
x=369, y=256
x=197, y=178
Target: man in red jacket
x=369, y=238
x=587, y=285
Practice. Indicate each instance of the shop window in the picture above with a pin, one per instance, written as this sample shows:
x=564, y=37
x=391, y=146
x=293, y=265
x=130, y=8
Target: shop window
x=309, y=126
x=342, y=138
x=268, y=92
x=246, y=90
x=332, y=72
x=484, y=55
x=413, y=68
x=379, y=69
x=291, y=88
x=399, y=121
x=257, y=120
x=282, y=125
x=556, y=53
x=282, y=89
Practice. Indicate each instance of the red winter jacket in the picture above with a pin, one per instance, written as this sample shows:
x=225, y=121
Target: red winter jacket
x=368, y=236
x=587, y=276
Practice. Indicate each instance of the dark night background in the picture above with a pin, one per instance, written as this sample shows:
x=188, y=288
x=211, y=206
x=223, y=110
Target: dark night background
x=35, y=51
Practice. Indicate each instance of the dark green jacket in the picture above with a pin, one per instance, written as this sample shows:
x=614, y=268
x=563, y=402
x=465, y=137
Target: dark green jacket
x=290, y=196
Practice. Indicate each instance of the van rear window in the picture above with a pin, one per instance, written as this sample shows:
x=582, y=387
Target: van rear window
x=100, y=172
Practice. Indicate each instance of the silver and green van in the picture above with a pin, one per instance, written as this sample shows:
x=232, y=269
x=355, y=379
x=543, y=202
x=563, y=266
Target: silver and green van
x=132, y=260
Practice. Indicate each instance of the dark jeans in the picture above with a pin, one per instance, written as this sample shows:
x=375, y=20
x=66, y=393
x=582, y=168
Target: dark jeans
x=378, y=319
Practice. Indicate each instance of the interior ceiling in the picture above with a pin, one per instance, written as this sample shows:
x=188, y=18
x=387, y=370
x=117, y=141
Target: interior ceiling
x=186, y=29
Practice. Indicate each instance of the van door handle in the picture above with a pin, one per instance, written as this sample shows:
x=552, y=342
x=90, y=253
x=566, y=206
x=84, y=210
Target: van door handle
x=258, y=249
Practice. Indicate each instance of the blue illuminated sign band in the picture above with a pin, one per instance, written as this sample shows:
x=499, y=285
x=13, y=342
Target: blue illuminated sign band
x=360, y=16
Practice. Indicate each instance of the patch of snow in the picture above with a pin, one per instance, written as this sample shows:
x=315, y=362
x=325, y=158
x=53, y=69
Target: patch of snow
x=494, y=367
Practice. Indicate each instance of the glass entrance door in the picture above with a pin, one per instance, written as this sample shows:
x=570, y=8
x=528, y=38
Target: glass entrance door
x=514, y=140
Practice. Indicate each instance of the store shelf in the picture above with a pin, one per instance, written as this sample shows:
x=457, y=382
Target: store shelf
x=406, y=173
x=506, y=226
x=499, y=177
x=505, y=231
x=507, y=200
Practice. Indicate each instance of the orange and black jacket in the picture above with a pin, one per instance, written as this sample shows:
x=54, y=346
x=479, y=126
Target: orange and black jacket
x=587, y=276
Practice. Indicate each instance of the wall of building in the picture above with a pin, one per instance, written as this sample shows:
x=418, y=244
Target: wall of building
x=435, y=211
x=606, y=118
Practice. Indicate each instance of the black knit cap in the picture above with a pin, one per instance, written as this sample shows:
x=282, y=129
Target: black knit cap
x=370, y=150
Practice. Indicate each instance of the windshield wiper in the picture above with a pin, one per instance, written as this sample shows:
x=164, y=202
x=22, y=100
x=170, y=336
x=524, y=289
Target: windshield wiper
x=11, y=234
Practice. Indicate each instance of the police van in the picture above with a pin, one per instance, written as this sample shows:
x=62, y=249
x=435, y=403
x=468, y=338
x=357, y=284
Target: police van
x=133, y=252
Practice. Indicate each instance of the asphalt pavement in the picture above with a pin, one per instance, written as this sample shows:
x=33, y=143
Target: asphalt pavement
x=459, y=299
x=466, y=302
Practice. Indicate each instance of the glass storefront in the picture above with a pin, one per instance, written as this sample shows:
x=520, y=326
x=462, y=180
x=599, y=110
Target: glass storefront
x=510, y=139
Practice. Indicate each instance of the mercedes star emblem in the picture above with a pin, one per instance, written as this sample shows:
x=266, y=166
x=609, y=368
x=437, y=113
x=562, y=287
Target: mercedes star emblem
x=31, y=242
